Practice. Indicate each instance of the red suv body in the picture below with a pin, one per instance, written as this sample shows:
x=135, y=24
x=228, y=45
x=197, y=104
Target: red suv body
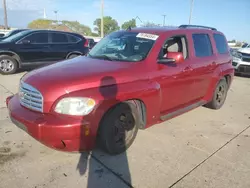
x=130, y=80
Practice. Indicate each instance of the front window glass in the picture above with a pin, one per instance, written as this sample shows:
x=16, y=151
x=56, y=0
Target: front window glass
x=124, y=46
x=38, y=38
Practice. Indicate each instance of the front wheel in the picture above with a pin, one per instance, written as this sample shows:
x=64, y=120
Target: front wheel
x=220, y=95
x=118, y=128
x=8, y=65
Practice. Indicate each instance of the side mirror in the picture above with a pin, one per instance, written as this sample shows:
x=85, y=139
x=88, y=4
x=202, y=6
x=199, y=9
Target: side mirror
x=25, y=42
x=172, y=57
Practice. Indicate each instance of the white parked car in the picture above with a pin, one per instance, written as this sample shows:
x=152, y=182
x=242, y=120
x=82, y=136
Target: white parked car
x=241, y=61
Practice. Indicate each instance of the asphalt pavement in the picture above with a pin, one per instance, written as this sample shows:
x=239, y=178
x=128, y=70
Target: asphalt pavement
x=202, y=148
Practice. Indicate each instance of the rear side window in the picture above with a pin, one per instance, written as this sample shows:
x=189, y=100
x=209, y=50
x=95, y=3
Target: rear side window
x=221, y=44
x=202, y=45
x=59, y=38
x=73, y=39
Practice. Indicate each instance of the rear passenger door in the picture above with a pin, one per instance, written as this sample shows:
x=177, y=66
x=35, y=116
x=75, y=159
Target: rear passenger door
x=204, y=63
x=61, y=44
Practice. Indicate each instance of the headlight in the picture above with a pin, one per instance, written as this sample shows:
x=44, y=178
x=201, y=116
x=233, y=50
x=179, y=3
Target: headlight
x=75, y=106
x=237, y=54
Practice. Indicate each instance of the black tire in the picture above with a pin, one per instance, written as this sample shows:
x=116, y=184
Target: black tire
x=118, y=128
x=12, y=65
x=220, y=95
x=73, y=56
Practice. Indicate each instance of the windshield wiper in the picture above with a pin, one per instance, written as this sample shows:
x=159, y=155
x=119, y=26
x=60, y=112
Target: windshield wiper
x=104, y=57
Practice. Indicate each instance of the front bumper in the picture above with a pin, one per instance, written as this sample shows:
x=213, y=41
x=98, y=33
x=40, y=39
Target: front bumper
x=56, y=131
x=240, y=66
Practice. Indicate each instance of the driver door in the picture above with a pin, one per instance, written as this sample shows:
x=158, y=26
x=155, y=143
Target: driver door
x=34, y=47
x=176, y=79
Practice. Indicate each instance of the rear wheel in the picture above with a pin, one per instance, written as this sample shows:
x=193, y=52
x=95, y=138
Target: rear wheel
x=118, y=128
x=73, y=56
x=8, y=65
x=220, y=95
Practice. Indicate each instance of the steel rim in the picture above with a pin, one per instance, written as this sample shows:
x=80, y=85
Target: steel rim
x=221, y=93
x=124, y=129
x=6, y=65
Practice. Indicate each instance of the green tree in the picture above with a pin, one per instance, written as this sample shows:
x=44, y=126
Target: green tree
x=149, y=24
x=74, y=26
x=109, y=25
x=40, y=24
x=130, y=23
x=94, y=34
x=77, y=27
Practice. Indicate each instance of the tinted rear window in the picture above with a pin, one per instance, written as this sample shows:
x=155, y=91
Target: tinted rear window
x=59, y=38
x=202, y=45
x=221, y=43
x=73, y=39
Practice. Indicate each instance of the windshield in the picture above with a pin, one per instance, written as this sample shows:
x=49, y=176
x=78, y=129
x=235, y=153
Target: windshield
x=16, y=36
x=245, y=45
x=124, y=46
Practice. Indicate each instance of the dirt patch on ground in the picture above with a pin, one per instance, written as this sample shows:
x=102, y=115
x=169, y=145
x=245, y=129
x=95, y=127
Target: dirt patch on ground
x=6, y=155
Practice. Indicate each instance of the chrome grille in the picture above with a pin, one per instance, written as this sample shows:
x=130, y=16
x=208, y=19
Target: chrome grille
x=30, y=97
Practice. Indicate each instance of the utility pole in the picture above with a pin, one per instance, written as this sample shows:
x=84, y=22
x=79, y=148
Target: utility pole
x=102, y=24
x=164, y=17
x=191, y=11
x=5, y=15
x=55, y=11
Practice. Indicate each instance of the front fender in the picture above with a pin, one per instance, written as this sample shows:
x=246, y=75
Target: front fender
x=107, y=97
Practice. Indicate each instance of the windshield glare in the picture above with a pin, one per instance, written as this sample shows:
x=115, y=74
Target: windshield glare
x=124, y=46
x=16, y=36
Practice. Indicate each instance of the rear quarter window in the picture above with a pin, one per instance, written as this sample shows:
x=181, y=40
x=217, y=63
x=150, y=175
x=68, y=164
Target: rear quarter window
x=73, y=39
x=202, y=45
x=221, y=44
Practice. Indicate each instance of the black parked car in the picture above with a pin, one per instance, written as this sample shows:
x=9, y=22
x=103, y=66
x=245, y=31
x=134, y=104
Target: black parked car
x=92, y=43
x=39, y=47
x=13, y=32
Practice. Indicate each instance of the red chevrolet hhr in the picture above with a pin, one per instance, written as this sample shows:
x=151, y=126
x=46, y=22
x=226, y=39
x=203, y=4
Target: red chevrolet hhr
x=132, y=79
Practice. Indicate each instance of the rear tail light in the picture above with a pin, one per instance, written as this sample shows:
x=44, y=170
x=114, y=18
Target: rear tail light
x=86, y=44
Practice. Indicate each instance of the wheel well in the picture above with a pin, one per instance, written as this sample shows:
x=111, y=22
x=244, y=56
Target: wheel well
x=141, y=110
x=13, y=55
x=141, y=107
x=228, y=79
x=73, y=53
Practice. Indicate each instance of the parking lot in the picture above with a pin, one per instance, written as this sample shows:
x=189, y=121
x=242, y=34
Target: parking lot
x=202, y=148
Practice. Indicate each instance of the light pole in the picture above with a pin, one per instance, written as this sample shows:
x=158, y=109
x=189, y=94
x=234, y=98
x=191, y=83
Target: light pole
x=55, y=11
x=102, y=24
x=191, y=11
x=164, y=17
x=5, y=15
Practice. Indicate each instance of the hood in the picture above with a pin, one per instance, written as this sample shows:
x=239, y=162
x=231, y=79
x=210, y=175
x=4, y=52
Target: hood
x=244, y=50
x=75, y=74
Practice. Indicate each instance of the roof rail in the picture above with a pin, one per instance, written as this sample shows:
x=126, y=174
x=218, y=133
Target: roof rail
x=197, y=26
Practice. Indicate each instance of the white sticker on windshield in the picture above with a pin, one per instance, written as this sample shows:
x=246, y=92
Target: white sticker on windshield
x=147, y=36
